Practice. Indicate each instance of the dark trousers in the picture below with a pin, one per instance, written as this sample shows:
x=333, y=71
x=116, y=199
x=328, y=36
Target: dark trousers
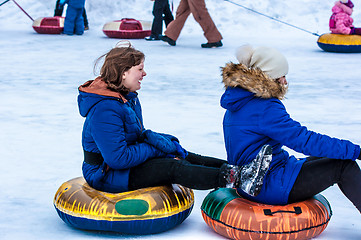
x=161, y=11
x=317, y=174
x=196, y=172
x=355, y=31
x=59, y=12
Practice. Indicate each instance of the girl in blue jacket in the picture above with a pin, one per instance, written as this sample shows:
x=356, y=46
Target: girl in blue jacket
x=120, y=155
x=255, y=116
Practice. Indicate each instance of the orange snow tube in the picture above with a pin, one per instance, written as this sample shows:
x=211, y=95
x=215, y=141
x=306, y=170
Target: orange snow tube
x=235, y=217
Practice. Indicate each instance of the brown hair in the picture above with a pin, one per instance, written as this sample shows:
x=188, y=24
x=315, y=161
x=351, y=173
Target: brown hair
x=117, y=61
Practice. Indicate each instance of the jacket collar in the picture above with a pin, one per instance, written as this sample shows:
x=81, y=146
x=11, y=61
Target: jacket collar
x=99, y=87
x=252, y=80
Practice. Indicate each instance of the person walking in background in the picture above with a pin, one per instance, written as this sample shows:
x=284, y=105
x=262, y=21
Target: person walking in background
x=341, y=20
x=201, y=15
x=161, y=11
x=255, y=116
x=121, y=155
x=74, y=22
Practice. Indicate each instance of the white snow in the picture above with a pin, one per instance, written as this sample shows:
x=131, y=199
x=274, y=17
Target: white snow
x=41, y=129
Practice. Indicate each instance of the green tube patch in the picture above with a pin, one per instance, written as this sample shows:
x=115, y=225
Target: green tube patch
x=215, y=201
x=132, y=207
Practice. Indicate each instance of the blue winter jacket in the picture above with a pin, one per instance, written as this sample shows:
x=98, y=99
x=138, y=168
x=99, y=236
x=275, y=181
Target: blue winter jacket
x=112, y=128
x=76, y=3
x=255, y=117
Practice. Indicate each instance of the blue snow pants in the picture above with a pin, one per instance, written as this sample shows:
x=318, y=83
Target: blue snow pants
x=74, y=22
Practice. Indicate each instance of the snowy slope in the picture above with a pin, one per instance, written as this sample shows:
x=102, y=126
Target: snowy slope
x=228, y=15
x=40, y=126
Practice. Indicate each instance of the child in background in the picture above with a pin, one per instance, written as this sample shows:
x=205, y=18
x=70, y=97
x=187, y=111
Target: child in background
x=74, y=22
x=59, y=12
x=341, y=20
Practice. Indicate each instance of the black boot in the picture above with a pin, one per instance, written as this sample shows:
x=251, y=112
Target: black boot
x=212, y=45
x=152, y=37
x=230, y=176
x=168, y=40
x=252, y=174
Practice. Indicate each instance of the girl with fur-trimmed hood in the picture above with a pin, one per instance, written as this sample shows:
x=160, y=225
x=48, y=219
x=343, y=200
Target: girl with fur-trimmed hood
x=255, y=116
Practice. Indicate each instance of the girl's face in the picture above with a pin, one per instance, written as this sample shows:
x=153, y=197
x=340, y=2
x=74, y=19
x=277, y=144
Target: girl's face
x=133, y=77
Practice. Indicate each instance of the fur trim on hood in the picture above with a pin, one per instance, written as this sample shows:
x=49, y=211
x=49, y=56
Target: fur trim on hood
x=252, y=80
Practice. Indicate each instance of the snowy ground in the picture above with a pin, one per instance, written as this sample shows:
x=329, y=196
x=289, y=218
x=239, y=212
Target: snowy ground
x=41, y=128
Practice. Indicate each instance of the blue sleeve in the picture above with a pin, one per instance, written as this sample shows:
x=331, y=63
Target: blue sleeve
x=278, y=125
x=62, y=2
x=108, y=133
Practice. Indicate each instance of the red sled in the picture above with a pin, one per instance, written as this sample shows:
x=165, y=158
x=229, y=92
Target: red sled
x=127, y=28
x=49, y=25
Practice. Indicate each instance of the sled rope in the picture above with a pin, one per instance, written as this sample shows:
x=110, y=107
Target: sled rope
x=23, y=10
x=275, y=19
x=4, y=2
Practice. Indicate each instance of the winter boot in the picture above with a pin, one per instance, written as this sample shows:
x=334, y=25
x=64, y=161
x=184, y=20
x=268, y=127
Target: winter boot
x=212, y=45
x=170, y=41
x=252, y=174
x=230, y=175
x=153, y=37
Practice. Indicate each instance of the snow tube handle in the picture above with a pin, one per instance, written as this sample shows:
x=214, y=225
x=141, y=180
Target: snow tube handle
x=268, y=212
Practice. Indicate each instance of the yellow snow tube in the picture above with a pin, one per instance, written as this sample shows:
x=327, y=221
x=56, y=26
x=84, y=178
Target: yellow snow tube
x=144, y=211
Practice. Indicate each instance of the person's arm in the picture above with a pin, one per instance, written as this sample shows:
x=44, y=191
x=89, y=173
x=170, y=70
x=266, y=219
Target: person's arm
x=107, y=129
x=62, y=2
x=278, y=125
x=342, y=23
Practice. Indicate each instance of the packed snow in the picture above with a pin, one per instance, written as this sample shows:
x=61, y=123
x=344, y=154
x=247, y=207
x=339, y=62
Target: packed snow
x=41, y=128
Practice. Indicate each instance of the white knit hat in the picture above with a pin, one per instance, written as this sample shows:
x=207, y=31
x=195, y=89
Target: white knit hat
x=269, y=60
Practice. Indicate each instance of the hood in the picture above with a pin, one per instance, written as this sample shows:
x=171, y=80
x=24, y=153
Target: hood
x=94, y=91
x=234, y=99
x=340, y=7
x=243, y=83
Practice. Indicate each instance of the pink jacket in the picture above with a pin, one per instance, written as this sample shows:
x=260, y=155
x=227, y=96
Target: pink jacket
x=342, y=19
